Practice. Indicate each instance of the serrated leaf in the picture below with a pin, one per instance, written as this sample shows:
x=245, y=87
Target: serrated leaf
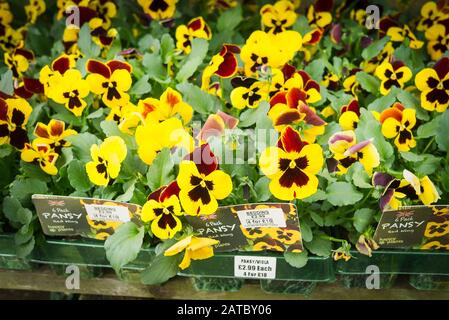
x=306, y=231
x=22, y=189
x=85, y=43
x=412, y=157
x=343, y=194
x=160, y=172
x=429, y=129
x=77, y=175
x=368, y=82
x=358, y=176
x=442, y=137
x=141, y=87
x=194, y=59
x=124, y=245
x=161, y=269
x=81, y=144
x=14, y=211
x=296, y=260
x=374, y=48
x=319, y=246
x=252, y=116
x=154, y=67
x=362, y=219
x=428, y=165
x=202, y=102
x=381, y=103
x=315, y=69
x=317, y=218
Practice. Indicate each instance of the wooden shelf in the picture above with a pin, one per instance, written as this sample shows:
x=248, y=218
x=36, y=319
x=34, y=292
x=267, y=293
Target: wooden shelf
x=44, y=279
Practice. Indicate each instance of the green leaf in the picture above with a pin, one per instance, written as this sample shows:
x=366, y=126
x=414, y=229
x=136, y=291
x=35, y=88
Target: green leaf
x=202, y=102
x=5, y=150
x=374, y=48
x=85, y=43
x=24, y=234
x=81, y=144
x=24, y=249
x=358, y=176
x=6, y=83
x=262, y=189
x=78, y=177
x=381, y=103
x=296, y=260
x=412, y=157
x=167, y=47
x=141, y=87
x=343, y=194
x=124, y=245
x=316, y=68
x=252, y=116
x=229, y=19
x=194, y=59
x=161, y=269
x=368, y=82
x=128, y=189
x=410, y=101
x=160, y=172
x=22, y=189
x=154, y=67
x=427, y=166
x=429, y=129
x=368, y=128
x=363, y=218
x=317, y=218
x=319, y=246
x=306, y=231
x=317, y=196
x=14, y=211
x=442, y=137
x=111, y=129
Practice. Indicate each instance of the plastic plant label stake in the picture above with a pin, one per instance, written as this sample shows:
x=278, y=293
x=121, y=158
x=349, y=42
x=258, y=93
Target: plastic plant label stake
x=255, y=267
x=262, y=218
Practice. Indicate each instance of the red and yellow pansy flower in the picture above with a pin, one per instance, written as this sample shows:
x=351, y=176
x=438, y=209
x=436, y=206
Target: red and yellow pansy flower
x=195, y=248
x=18, y=60
x=398, y=122
x=106, y=160
x=201, y=182
x=432, y=13
x=163, y=210
x=14, y=114
x=53, y=134
x=196, y=28
x=292, y=166
x=349, y=115
x=223, y=65
x=319, y=14
x=434, y=86
x=42, y=154
x=438, y=40
x=53, y=73
x=111, y=80
x=34, y=9
x=347, y=151
x=278, y=17
x=158, y=9
x=394, y=74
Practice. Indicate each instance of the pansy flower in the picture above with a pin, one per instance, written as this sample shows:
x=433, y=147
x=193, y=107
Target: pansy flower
x=385, y=54
x=319, y=14
x=432, y=14
x=53, y=73
x=14, y=114
x=127, y=117
x=18, y=61
x=169, y=105
x=216, y=125
x=265, y=49
x=310, y=43
x=158, y=9
x=278, y=17
x=438, y=40
x=350, y=84
x=330, y=80
x=102, y=35
x=195, y=248
x=42, y=154
x=106, y=10
x=434, y=86
x=201, y=182
x=397, y=123
x=11, y=38
x=248, y=92
x=70, y=90
x=163, y=210
x=223, y=65
x=292, y=166
x=365, y=245
x=347, y=151
x=436, y=229
x=169, y=133
x=196, y=28
x=106, y=160
x=34, y=9
x=111, y=80
x=349, y=115
x=394, y=74
x=6, y=15
x=390, y=27
x=53, y=134
x=424, y=187
x=28, y=87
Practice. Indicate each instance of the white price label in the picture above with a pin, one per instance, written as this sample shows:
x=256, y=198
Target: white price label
x=255, y=267
x=268, y=218
x=107, y=213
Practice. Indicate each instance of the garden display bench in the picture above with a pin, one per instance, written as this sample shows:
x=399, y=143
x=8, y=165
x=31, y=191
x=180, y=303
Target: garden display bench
x=45, y=279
